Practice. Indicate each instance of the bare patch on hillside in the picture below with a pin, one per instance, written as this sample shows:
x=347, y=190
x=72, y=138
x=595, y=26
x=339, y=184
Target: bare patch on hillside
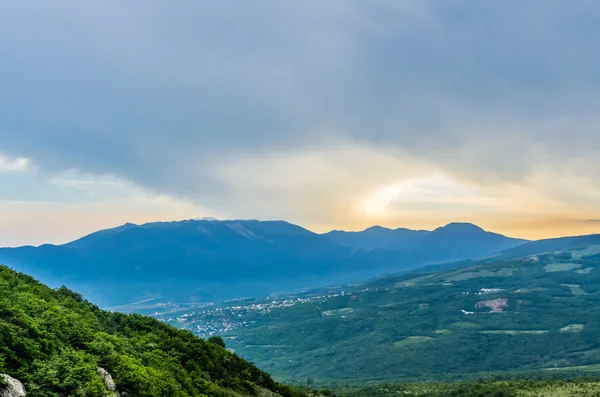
x=496, y=305
x=514, y=332
x=412, y=340
x=575, y=289
x=480, y=274
x=573, y=328
x=591, y=250
x=561, y=267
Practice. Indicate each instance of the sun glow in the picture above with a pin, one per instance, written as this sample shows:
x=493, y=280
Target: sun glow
x=436, y=189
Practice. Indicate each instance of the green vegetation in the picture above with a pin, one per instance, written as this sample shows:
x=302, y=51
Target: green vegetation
x=54, y=341
x=412, y=340
x=422, y=328
x=490, y=388
x=217, y=340
x=561, y=267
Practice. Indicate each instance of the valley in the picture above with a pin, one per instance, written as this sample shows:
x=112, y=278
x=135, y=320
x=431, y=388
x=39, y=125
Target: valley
x=512, y=311
x=347, y=198
x=536, y=313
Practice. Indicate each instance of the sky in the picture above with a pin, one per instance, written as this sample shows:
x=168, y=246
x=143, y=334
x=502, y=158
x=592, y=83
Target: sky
x=336, y=114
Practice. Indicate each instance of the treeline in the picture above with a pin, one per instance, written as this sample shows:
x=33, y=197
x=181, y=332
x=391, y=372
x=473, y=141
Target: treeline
x=54, y=341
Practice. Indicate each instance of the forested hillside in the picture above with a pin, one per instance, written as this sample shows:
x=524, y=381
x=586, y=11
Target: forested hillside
x=54, y=342
x=535, y=313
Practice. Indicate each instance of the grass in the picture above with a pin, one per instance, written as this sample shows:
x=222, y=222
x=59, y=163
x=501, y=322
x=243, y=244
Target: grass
x=479, y=274
x=514, y=332
x=412, y=340
x=465, y=325
x=413, y=281
x=589, y=368
x=575, y=289
x=561, y=267
x=572, y=328
x=591, y=250
x=338, y=312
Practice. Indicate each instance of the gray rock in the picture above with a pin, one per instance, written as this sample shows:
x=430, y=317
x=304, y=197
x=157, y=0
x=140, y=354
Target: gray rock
x=109, y=383
x=13, y=388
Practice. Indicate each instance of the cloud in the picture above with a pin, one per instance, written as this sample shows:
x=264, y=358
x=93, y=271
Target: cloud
x=35, y=209
x=18, y=164
x=593, y=220
x=302, y=110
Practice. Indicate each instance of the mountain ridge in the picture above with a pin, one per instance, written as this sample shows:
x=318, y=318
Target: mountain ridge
x=403, y=238
x=215, y=260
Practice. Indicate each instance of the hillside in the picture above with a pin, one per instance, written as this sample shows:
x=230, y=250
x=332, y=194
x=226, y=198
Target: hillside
x=57, y=344
x=549, y=245
x=204, y=260
x=534, y=313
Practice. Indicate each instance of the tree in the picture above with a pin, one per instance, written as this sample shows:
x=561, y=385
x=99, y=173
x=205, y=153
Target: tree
x=217, y=340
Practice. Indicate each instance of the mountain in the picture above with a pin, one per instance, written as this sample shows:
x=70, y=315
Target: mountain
x=57, y=344
x=534, y=313
x=455, y=241
x=377, y=237
x=208, y=260
x=458, y=241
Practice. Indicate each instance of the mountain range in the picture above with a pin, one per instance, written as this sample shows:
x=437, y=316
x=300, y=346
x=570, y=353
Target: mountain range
x=207, y=260
x=490, y=303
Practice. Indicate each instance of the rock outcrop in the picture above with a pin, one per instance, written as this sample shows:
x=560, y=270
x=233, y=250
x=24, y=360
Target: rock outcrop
x=262, y=392
x=13, y=387
x=109, y=383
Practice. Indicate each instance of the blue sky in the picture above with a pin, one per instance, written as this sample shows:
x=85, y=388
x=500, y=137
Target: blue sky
x=337, y=114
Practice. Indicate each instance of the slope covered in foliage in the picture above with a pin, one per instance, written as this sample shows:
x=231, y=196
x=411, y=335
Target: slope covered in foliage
x=535, y=313
x=54, y=341
x=481, y=388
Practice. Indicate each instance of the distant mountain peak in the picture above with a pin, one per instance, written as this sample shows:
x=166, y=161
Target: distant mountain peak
x=376, y=228
x=461, y=226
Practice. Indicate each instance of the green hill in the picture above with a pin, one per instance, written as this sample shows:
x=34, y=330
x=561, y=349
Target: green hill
x=534, y=313
x=56, y=344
